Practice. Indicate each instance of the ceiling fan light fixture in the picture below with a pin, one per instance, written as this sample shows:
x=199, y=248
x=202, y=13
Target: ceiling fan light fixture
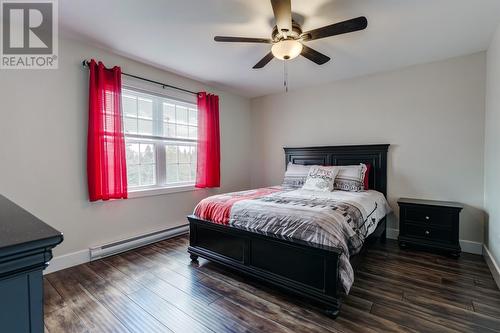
x=286, y=49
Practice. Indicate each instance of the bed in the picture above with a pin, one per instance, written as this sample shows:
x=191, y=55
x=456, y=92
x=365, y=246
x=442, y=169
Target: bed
x=303, y=265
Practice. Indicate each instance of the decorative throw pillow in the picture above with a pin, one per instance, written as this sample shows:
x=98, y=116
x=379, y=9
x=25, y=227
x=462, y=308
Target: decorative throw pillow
x=350, y=178
x=320, y=178
x=295, y=175
x=367, y=176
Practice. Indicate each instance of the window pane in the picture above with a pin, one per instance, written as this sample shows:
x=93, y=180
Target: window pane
x=193, y=171
x=147, y=153
x=177, y=120
x=172, y=176
x=169, y=130
x=182, y=114
x=132, y=153
x=147, y=174
x=129, y=104
x=145, y=108
x=169, y=112
x=130, y=125
x=184, y=154
x=171, y=154
x=146, y=127
x=193, y=117
x=193, y=154
x=184, y=172
x=182, y=131
x=133, y=175
x=193, y=132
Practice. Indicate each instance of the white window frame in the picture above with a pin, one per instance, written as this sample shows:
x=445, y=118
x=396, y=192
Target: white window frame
x=161, y=187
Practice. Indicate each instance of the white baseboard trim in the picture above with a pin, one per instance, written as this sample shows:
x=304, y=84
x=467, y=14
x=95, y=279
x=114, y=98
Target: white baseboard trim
x=492, y=264
x=466, y=245
x=94, y=253
x=471, y=247
x=67, y=260
x=83, y=256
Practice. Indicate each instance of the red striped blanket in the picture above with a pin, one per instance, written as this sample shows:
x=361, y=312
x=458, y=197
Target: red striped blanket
x=217, y=208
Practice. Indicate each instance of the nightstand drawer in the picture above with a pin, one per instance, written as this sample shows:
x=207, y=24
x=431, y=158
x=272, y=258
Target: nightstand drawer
x=432, y=234
x=428, y=216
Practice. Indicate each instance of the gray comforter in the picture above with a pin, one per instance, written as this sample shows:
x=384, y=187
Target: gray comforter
x=313, y=217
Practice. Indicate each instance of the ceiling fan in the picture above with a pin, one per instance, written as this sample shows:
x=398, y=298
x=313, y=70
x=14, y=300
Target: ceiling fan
x=287, y=37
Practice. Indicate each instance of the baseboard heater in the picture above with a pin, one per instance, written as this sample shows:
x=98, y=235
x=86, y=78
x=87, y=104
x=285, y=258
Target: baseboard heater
x=98, y=252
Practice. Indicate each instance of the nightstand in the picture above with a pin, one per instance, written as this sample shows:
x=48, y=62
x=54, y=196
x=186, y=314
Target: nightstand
x=431, y=224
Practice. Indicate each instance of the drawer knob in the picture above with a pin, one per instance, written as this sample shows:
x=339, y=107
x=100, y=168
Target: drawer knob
x=427, y=232
x=427, y=218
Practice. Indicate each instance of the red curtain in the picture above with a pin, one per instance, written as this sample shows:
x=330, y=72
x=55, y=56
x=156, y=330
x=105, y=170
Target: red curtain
x=208, y=162
x=106, y=164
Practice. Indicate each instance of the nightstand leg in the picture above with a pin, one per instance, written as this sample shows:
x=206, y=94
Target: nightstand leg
x=332, y=313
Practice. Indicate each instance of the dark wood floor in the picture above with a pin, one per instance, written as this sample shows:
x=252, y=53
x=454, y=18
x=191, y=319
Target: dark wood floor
x=157, y=289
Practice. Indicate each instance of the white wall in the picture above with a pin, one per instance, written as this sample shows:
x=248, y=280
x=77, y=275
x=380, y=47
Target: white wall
x=492, y=149
x=432, y=115
x=43, y=128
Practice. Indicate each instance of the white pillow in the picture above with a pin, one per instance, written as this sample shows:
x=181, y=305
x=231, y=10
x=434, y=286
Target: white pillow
x=295, y=175
x=320, y=178
x=350, y=178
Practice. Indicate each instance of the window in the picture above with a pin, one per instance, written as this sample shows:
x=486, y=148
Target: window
x=161, y=140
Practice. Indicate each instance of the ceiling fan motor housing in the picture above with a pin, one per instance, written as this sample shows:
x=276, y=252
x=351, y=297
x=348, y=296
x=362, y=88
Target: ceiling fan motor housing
x=294, y=34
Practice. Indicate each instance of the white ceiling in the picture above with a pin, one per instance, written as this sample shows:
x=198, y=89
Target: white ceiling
x=177, y=35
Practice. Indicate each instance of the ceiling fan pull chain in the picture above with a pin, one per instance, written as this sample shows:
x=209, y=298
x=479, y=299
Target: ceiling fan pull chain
x=285, y=75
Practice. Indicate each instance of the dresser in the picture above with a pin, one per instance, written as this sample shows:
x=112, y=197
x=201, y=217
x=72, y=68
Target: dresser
x=430, y=224
x=26, y=245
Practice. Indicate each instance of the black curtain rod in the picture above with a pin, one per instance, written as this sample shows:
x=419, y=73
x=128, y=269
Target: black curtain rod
x=85, y=64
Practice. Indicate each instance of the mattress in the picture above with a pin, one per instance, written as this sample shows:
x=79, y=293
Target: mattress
x=339, y=219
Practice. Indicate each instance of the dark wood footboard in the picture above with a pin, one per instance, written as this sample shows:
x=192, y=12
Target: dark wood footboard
x=306, y=269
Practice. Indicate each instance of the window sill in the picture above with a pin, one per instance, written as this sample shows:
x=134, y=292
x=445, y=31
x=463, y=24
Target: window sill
x=139, y=193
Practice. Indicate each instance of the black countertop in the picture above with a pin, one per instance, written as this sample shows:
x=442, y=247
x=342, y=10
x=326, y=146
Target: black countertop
x=19, y=227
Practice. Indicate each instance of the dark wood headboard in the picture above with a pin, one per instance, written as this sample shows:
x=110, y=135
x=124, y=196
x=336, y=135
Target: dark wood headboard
x=376, y=155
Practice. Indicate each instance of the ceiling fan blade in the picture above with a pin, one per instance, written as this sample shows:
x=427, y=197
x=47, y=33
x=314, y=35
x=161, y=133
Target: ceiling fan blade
x=283, y=14
x=242, y=40
x=314, y=56
x=340, y=28
x=264, y=61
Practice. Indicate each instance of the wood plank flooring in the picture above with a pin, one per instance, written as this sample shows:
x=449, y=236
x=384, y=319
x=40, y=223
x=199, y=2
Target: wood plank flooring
x=157, y=289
